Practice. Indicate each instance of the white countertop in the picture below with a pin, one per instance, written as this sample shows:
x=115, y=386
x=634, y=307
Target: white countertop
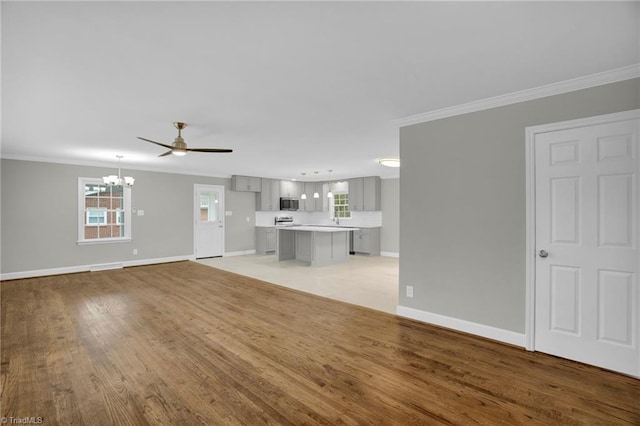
x=317, y=228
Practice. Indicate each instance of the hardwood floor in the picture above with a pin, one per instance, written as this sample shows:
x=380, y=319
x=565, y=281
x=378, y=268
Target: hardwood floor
x=185, y=344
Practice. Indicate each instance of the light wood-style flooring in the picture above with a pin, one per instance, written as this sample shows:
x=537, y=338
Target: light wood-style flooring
x=369, y=281
x=188, y=344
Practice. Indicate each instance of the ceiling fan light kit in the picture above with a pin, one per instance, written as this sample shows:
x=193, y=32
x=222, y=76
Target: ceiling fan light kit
x=179, y=146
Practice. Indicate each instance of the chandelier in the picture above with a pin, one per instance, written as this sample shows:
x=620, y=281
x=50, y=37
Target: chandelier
x=113, y=180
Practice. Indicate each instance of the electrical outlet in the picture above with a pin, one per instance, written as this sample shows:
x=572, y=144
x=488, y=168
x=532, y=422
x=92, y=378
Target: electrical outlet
x=135, y=251
x=409, y=291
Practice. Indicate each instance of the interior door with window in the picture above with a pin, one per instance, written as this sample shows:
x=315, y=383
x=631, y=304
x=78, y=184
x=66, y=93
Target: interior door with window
x=587, y=293
x=209, y=221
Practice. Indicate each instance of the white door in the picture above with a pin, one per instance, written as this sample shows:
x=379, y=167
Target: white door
x=587, y=294
x=209, y=221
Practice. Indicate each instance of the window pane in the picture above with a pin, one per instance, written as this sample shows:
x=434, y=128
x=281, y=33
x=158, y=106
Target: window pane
x=208, y=207
x=117, y=191
x=90, y=232
x=117, y=203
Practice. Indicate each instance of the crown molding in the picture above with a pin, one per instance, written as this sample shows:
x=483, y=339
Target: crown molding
x=566, y=86
x=108, y=165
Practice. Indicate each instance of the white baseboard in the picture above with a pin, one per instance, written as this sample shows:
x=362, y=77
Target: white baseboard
x=389, y=254
x=106, y=266
x=239, y=253
x=87, y=268
x=481, y=330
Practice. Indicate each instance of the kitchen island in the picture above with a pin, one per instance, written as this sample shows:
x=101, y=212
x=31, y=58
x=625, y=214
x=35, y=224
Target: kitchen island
x=318, y=245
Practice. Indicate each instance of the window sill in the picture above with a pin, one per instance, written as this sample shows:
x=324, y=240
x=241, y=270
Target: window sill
x=104, y=241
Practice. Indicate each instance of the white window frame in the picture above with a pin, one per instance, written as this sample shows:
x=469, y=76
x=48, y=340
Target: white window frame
x=333, y=205
x=126, y=199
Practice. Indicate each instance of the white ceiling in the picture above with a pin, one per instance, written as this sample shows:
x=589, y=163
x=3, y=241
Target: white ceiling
x=291, y=87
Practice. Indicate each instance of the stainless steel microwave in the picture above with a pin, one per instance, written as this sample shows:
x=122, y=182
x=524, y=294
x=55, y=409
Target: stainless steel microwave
x=289, y=203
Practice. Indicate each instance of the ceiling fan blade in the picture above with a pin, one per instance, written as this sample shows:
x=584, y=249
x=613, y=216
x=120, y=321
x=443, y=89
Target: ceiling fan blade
x=165, y=154
x=220, y=150
x=157, y=143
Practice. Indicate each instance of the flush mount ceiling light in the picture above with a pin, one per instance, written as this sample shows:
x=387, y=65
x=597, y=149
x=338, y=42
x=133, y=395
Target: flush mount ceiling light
x=389, y=161
x=113, y=180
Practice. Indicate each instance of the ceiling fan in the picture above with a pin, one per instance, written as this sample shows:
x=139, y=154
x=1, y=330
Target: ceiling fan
x=179, y=147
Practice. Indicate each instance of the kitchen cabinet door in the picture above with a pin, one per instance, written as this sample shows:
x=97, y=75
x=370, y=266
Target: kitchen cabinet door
x=371, y=194
x=289, y=188
x=356, y=203
x=265, y=239
x=246, y=183
x=308, y=205
x=364, y=194
x=320, y=201
x=367, y=241
x=268, y=199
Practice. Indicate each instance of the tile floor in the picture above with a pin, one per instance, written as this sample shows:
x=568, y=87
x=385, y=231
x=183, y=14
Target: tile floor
x=362, y=280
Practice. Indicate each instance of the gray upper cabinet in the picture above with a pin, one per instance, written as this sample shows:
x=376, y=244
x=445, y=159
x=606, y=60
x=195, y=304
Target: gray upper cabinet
x=371, y=193
x=246, y=183
x=355, y=195
x=319, y=202
x=364, y=194
x=268, y=199
x=312, y=204
x=308, y=205
x=290, y=188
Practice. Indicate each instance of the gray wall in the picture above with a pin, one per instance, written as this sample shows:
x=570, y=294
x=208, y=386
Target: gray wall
x=39, y=217
x=390, y=233
x=462, y=183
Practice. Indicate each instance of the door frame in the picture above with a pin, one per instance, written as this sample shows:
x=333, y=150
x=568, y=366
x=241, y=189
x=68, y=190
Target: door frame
x=530, y=170
x=196, y=213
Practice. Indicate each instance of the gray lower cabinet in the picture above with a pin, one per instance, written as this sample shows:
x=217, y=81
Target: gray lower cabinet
x=367, y=241
x=265, y=239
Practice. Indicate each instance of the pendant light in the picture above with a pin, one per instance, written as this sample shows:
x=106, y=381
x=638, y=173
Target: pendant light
x=304, y=194
x=330, y=194
x=315, y=193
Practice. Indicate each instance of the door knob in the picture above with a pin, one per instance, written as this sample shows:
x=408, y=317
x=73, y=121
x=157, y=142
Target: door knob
x=543, y=253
